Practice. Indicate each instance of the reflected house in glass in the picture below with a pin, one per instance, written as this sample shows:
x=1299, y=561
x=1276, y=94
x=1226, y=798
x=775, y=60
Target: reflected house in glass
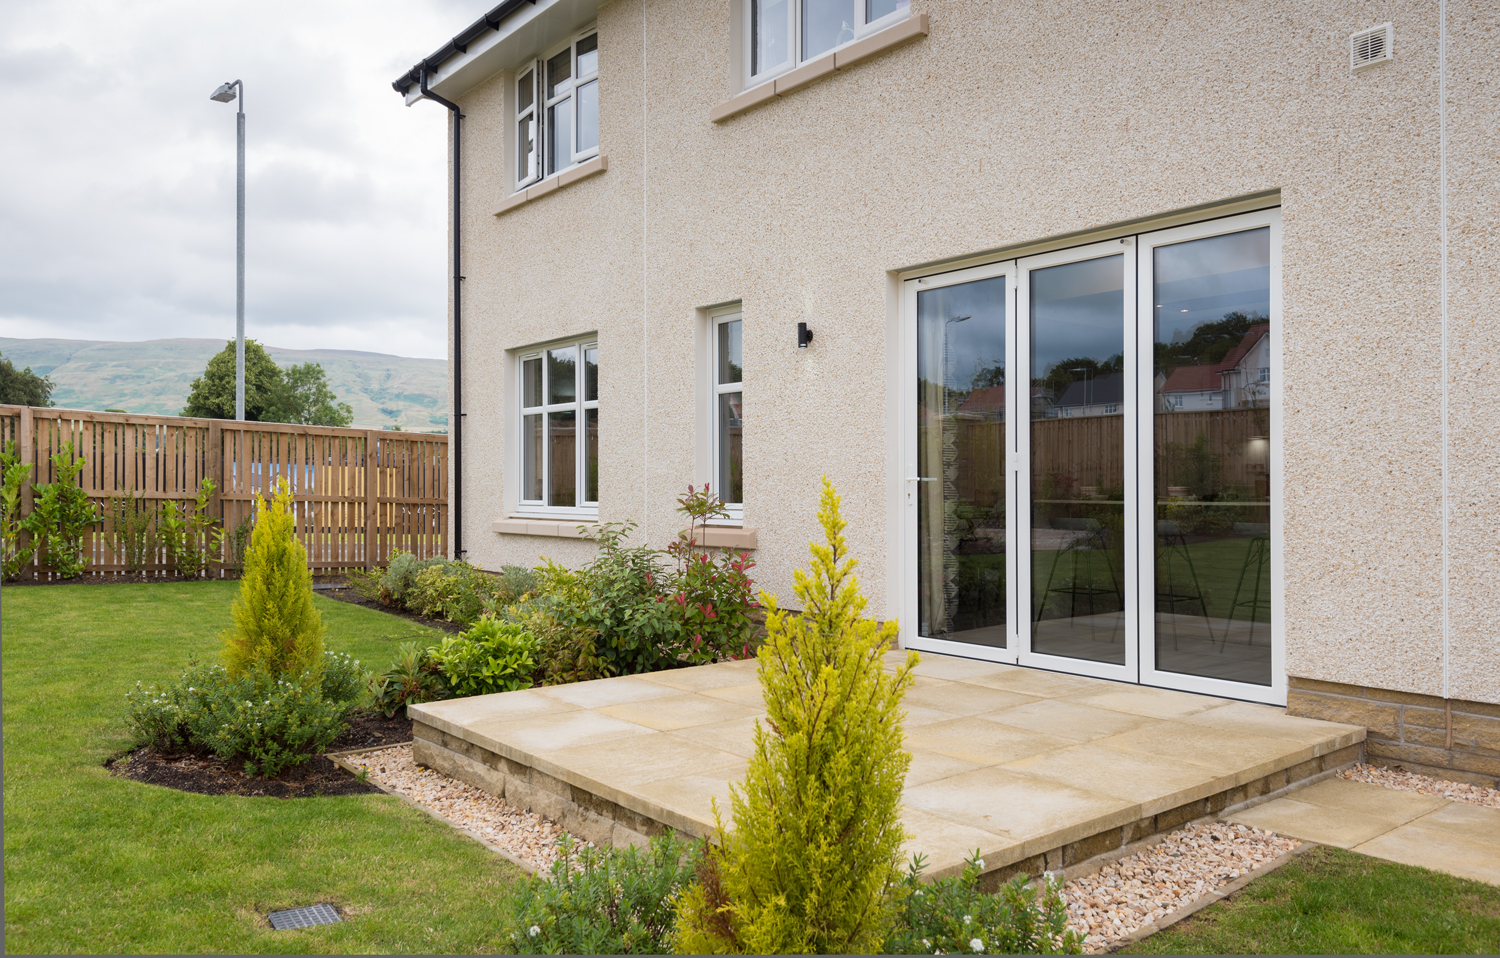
x=1137, y=367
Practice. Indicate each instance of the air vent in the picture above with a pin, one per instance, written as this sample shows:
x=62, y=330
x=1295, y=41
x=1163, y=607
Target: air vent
x=1369, y=47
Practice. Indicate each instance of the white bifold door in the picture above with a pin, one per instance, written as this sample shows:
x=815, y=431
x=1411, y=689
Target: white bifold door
x=1091, y=440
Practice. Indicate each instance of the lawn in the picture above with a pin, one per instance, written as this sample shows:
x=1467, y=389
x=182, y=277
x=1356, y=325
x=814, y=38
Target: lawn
x=1330, y=901
x=95, y=863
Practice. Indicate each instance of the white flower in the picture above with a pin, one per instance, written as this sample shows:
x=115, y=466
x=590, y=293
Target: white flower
x=980, y=863
x=968, y=918
x=926, y=943
x=534, y=931
x=976, y=945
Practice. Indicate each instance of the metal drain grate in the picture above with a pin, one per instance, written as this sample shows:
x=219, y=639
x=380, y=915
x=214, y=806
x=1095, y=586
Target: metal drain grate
x=304, y=917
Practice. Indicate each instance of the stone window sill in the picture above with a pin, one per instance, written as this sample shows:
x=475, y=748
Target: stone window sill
x=729, y=537
x=567, y=177
x=557, y=528
x=875, y=43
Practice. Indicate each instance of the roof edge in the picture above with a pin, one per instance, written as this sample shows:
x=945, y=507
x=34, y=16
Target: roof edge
x=459, y=44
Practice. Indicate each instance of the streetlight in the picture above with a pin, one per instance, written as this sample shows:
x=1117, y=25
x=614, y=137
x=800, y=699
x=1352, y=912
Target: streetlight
x=225, y=94
x=1088, y=382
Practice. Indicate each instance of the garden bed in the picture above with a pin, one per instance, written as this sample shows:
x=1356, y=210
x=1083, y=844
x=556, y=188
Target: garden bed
x=319, y=776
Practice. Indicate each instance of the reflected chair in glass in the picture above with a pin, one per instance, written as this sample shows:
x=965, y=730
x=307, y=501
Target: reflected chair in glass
x=1171, y=555
x=1257, y=558
x=1090, y=538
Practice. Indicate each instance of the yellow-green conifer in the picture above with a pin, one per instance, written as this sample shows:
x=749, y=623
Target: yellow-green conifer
x=812, y=865
x=276, y=627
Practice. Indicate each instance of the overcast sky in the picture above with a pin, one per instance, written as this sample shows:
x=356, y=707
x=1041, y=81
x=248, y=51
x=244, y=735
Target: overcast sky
x=117, y=171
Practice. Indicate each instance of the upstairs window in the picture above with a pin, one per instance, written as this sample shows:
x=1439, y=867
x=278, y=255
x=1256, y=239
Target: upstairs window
x=560, y=428
x=781, y=34
x=557, y=110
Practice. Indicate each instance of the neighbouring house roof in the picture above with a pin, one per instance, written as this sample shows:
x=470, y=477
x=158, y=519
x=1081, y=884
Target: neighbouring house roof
x=1206, y=378
x=986, y=400
x=1093, y=391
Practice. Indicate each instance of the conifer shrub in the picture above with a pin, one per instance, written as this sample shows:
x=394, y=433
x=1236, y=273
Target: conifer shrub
x=277, y=629
x=812, y=864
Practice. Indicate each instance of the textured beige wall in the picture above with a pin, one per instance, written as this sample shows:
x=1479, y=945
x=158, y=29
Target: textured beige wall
x=1010, y=123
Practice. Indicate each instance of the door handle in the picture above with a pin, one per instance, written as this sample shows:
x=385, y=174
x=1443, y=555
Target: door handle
x=920, y=479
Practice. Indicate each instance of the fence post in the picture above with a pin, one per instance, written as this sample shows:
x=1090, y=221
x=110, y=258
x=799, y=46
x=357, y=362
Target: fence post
x=372, y=497
x=27, y=446
x=214, y=452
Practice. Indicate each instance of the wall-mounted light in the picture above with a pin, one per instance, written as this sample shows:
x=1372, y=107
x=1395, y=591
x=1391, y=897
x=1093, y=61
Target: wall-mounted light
x=804, y=335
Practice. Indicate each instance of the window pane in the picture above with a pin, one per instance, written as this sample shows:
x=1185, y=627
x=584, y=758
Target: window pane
x=1078, y=602
x=1212, y=453
x=531, y=382
x=591, y=462
x=825, y=25
x=588, y=55
x=525, y=148
x=588, y=116
x=531, y=458
x=729, y=353
x=525, y=91
x=875, y=9
x=562, y=374
x=559, y=71
x=591, y=374
x=562, y=458
x=961, y=442
x=731, y=458
x=559, y=136
x=770, y=45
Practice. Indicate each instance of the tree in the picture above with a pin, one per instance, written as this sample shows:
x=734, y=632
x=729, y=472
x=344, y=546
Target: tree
x=304, y=397
x=812, y=864
x=212, y=395
x=22, y=387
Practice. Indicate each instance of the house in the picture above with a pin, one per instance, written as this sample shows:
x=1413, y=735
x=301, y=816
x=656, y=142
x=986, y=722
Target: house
x=840, y=215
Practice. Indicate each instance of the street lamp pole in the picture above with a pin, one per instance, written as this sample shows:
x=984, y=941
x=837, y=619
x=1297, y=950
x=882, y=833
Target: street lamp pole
x=225, y=94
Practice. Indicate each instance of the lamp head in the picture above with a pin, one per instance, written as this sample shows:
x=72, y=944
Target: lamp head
x=224, y=93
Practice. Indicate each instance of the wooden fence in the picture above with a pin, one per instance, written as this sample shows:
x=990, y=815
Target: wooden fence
x=361, y=495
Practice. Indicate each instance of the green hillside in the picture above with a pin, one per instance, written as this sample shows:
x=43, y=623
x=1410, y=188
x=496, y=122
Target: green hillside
x=154, y=377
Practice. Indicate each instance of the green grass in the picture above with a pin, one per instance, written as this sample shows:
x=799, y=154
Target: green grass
x=1330, y=901
x=95, y=863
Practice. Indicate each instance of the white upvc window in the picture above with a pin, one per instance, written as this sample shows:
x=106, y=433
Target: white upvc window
x=728, y=414
x=780, y=34
x=557, y=110
x=559, y=428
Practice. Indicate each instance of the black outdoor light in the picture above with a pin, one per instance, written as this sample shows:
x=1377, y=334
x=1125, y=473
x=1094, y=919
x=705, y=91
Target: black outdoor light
x=804, y=335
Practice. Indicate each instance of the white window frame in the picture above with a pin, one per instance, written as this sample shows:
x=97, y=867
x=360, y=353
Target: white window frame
x=717, y=318
x=541, y=105
x=581, y=405
x=862, y=28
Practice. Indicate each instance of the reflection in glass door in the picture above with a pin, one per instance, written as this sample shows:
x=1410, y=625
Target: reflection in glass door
x=1079, y=601
x=961, y=456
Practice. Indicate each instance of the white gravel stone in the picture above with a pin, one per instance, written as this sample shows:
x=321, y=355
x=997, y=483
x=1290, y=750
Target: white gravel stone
x=1400, y=779
x=1151, y=884
x=528, y=836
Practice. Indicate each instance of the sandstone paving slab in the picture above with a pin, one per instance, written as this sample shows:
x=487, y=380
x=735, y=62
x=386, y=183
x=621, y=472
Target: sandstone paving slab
x=1140, y=700
x=945, y=843
x=554, y=731
x=930, y=766
x=1156, y=783
x=749, y=695
x=621, y=766
x=736, y=736
x=1273, y=722
x=921, y=715
x=683, y=710
x=455, y=715
x=1437, y=849
x=686, y=803
x=601, y=692
x=952, y=668
x=1070, y=720
x=1220, y=751
x=979, y=741
x=1034, y=682
x=961, y=698
x=700, y=678
x=1039, y=814
x=1331, y=814
x=1471, y=821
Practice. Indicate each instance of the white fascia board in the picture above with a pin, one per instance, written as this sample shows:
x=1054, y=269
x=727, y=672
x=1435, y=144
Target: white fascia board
x=528, y=32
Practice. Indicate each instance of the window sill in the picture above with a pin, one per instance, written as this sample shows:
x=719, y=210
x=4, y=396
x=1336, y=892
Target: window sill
x=556, y=528
x=729, y=537
x=552, y=184
x=875, y=43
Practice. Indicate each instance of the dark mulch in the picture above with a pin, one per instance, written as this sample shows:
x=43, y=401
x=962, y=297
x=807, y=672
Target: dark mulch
x=318, y=776
x=348, y=595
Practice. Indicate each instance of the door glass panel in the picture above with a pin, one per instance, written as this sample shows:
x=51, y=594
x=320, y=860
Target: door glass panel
x=1212, y=442
x=1077, y=460
x=961, y=461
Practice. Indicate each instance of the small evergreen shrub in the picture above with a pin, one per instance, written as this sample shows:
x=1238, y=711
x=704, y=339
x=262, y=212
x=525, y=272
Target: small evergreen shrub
x=601, y=901
x=132, y=529
x=713, y=589
x=277, y=629
x=492, y=656
x=414, y=677
x=953, y=915
x=811, y=865
x=401, y=577
x=61, y=515
x=13, y=475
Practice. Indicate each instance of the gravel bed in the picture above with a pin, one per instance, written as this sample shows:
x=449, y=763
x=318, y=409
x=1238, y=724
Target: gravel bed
x=1400, y=779
x=528, y=836
x=1156, y=881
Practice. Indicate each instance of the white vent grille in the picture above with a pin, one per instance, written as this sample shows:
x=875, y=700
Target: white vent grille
x=1369, y=47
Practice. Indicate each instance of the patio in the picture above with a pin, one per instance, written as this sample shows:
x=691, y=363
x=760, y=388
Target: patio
x=1037, y=770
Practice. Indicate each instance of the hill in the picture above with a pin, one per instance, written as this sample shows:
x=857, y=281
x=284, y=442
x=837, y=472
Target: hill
x=154, y=377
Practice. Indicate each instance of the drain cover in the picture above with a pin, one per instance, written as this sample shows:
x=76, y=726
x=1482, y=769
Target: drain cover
x=304, y=917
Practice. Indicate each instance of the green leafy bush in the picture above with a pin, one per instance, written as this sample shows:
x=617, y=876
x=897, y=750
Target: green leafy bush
x=185, y=530
x=401, y=577
x=601, y=901
x=492, y=656
x=953, y=915
x=13, y=476
x=132, y=529
x=454, y=591
x=414, y=677
x=811, y=865
x=61, y=514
